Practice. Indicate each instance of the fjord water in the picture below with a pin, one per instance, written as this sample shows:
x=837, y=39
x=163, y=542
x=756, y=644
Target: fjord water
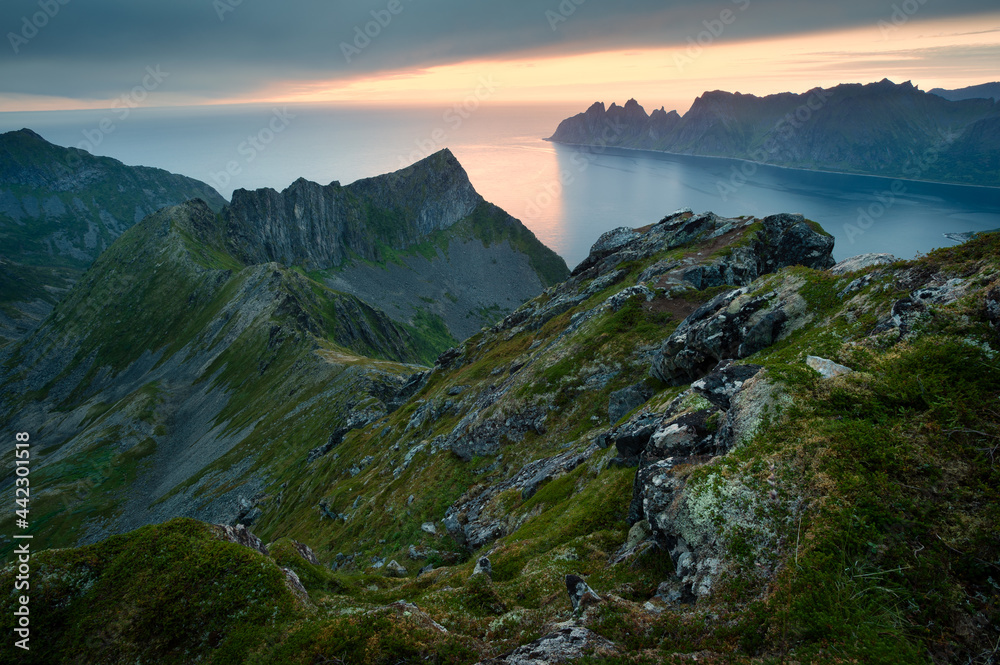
x=568, y=196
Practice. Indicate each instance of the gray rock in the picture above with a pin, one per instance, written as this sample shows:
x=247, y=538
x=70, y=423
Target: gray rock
x=305, y=552
x=240, y=535
x=734, y=324
x=429, y=527
x=620, y=402
x=483, y=567
x=393, y=569
x=827, y=368
x=569, y=642
x=862, y=261
x=295, y=586
x=724, y=381
x=580, y=594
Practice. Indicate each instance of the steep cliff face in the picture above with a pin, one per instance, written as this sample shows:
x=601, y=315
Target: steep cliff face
x=320, y=227
x=59, y=209
x=880, y=128
x=419, y=244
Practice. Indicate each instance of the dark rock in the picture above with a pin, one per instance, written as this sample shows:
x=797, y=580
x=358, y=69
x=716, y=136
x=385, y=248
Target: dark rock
x=240, y=535
x=631, y=437
x=446, y=359
x=305, y=552
x=608, y=243
x=580, y=594
x=993, y=307
x=721, y=384
x=483, y=567
x=457, y=390
x=625, y=400
x=731, y=325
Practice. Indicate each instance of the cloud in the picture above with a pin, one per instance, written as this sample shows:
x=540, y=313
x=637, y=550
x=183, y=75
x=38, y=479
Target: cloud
x=97, y=49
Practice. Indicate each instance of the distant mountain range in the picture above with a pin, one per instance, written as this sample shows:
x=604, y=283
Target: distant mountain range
x=982, y=91
x=878, y=129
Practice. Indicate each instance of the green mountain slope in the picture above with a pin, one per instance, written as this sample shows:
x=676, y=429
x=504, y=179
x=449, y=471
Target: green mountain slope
x=653, y=425
x=59, y=209
x=420, y=244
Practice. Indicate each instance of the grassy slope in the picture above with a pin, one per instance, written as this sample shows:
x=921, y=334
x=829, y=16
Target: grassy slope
x=881, y=538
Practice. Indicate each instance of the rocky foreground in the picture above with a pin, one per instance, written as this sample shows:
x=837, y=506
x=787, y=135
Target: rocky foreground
x=709, y=444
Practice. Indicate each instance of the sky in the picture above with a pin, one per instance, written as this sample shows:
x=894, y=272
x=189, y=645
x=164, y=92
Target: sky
x=70, y=54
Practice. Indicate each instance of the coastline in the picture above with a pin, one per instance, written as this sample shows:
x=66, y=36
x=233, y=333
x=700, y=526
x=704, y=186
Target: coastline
x=777, y=166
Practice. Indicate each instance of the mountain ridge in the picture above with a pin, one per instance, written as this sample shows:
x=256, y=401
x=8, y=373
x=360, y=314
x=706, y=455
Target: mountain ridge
x=906, y=133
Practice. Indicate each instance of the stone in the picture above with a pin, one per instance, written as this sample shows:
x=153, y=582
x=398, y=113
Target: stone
x=295, y=586
x=429, y=528
x=305, y=552
x=993, y=307
x=393, y=569
x=240, y=535
x=483, y=567
x=827, y=368
x=724, y=381
x=580, y=593
x=862, y=261
x=620, y=402
x=568, y=642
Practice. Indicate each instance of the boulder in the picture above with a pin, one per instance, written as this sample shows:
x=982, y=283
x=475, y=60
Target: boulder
x=862, y=261
x=580, y=594
x=827, y=368
x=240, y=535
x=622, y=401
x=735, y=324
x=993, y=307
x=305, y=552
x=568, y=642
x=483, y=567
x=724, y=381
x=393, y=569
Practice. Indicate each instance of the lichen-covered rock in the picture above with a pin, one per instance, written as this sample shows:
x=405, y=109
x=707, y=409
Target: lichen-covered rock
x=862, y=261
x=827, y=368
x=724, y=381
x=581, y=596
x=483, y=567
x=569, y=642
x=735, y=324
x=295, y=586
x=993, y=307
x=305, y=552
x=240, y=535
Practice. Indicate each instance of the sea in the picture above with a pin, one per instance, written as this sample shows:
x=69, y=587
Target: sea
x=568, y=196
